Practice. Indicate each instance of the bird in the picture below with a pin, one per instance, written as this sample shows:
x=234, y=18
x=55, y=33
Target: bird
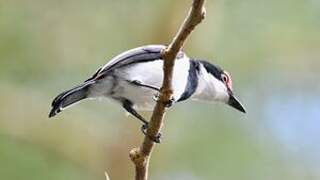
x=133, y=79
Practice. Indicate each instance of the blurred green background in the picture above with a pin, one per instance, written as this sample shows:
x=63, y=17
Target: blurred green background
x=271, y=48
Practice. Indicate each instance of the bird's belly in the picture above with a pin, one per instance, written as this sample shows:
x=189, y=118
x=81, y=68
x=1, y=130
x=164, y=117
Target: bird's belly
x=141, y=97
x=148, y=74
x=151, y=74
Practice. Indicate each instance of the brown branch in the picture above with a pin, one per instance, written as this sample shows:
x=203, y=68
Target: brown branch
x=140, y=156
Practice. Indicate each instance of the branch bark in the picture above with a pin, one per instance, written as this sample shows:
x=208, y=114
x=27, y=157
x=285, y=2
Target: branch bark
x=141, y=156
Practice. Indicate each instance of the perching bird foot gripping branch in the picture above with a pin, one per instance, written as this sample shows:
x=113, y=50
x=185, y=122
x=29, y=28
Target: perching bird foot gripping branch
x=140, y=156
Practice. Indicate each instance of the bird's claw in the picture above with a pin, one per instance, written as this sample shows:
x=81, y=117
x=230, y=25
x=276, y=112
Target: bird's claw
x=156, y=97
x=168, y=104
x=144, y=128
x=156, y=139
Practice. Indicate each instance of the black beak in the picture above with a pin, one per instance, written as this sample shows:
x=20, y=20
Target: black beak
x=235, y=103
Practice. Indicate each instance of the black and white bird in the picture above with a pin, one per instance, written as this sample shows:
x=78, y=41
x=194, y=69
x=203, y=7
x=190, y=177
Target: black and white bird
x=134, y=77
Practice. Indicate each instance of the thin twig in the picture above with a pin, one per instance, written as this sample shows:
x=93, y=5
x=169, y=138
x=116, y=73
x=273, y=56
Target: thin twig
x=140, y=156
x=107, y=176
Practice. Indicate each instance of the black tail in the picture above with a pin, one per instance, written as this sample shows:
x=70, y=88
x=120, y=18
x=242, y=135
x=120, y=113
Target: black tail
x=69, y=97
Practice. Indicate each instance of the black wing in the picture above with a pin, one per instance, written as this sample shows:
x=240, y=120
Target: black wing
x=137, y=55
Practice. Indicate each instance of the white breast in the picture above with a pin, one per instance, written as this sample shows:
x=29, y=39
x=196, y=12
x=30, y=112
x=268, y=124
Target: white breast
x=150, y=73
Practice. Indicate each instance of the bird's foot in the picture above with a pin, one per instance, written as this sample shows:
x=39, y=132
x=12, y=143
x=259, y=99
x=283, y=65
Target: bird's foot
x=156, y=139
x=156, y=97
x=168, y=104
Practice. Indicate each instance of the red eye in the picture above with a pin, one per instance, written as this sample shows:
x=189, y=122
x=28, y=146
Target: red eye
x=227, y=80
x=224, y=78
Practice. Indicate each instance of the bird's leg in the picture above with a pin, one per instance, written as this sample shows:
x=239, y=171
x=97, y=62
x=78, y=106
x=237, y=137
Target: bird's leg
x=127, y=105
x=168, y=104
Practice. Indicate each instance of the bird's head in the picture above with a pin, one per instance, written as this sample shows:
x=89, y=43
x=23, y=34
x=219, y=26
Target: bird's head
x=220, y=83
